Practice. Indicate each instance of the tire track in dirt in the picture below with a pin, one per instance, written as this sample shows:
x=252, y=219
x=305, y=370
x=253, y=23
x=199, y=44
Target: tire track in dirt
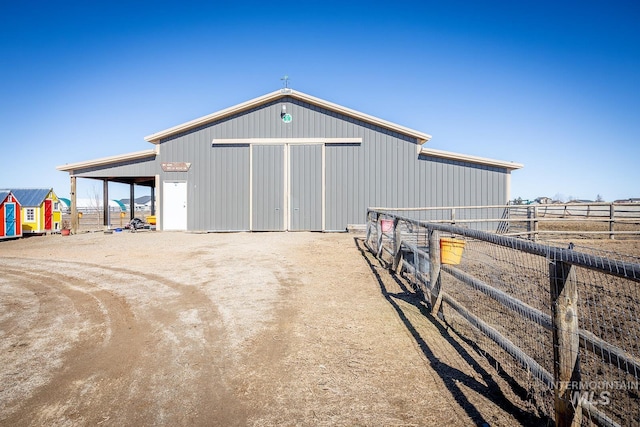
x=18, y=308
x=165, y=361
x=93, y=351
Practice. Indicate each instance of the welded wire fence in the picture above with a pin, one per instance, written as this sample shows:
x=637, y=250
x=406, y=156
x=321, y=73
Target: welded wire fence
x=561, y=322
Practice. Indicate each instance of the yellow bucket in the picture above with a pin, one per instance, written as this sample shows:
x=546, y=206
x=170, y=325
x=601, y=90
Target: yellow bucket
x=151, y=219
x=451, y=250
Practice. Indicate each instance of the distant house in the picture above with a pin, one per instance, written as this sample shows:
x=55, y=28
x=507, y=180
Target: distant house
x=544, y=200
x=142, y=203
x=580, y=201
x=40, y=210
x=9, y=215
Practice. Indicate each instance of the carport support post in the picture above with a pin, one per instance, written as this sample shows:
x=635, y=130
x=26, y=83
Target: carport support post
x=153, y=200
x=74, y=206
x=105, y=203
x=132, y=203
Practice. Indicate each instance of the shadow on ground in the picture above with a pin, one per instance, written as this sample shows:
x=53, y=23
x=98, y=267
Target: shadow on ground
x=453, y=379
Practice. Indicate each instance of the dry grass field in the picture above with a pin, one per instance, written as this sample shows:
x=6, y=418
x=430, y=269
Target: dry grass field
x=160, y=328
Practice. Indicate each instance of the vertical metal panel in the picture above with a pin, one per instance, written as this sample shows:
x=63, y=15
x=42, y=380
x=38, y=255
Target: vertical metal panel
x=268, y=187
x=223, y=190
x=342, y=207
x=305, y=190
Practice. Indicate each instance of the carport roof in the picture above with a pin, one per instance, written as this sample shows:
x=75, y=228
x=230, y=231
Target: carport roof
x=273, y=96
x=105, y=161
x=470, y=159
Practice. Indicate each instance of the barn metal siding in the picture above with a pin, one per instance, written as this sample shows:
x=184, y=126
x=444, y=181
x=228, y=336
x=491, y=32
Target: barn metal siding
x=384, y=170
x=221, y=192
x=456, y=183
x=268, y=188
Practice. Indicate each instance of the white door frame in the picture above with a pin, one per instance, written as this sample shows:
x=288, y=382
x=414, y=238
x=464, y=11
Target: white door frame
x=165, y=205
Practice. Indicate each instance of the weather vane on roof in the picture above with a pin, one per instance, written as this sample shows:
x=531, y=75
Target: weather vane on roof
x=285, y=82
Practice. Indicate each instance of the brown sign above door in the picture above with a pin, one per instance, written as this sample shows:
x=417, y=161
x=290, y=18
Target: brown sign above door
x=175, y=166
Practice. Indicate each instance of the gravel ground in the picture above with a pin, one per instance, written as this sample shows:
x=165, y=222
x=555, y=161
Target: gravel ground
x=160, y=328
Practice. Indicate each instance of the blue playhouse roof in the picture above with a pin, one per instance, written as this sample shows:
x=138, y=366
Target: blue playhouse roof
x=3, y=195
x=30, y=197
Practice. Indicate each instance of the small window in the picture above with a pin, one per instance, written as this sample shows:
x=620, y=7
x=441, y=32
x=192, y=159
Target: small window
x=31, y=215
x=56, y=206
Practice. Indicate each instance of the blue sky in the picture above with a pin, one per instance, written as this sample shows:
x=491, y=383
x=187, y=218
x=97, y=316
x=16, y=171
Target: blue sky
x=552, y=85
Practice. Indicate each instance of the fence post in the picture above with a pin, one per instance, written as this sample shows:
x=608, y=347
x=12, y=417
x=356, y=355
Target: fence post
x=368, y=231
x=535, y=223
x=532, y=223
x=397, y=247
x=453, y=216
x=566, y=363
x=378, y=236
x=612, y=211
x=434, y=272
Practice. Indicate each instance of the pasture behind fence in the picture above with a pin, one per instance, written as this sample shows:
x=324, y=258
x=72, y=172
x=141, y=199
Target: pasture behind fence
x=562, y=323
x=612, y=220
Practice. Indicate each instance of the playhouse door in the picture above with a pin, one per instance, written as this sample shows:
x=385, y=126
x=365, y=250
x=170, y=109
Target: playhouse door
x=10, y=219
x=48, y=215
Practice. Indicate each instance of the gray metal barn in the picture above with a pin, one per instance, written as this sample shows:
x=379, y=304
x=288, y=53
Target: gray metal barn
x=290, y=161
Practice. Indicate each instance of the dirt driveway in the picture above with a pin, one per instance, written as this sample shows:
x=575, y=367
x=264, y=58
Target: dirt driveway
x=227, y=329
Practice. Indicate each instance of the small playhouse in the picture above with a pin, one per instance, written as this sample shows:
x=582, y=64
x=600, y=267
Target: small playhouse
x=10, y=224
x=40, y=213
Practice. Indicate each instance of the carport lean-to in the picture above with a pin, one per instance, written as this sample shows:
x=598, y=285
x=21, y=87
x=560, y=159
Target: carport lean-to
x=118, y=166
x=290, y=161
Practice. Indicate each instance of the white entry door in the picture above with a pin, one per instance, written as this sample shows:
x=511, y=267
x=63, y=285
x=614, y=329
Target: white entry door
x=174, y=206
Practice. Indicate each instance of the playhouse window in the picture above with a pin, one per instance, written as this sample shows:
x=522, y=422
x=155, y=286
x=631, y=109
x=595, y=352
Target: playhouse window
x=56, y=206
x=30, y=215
